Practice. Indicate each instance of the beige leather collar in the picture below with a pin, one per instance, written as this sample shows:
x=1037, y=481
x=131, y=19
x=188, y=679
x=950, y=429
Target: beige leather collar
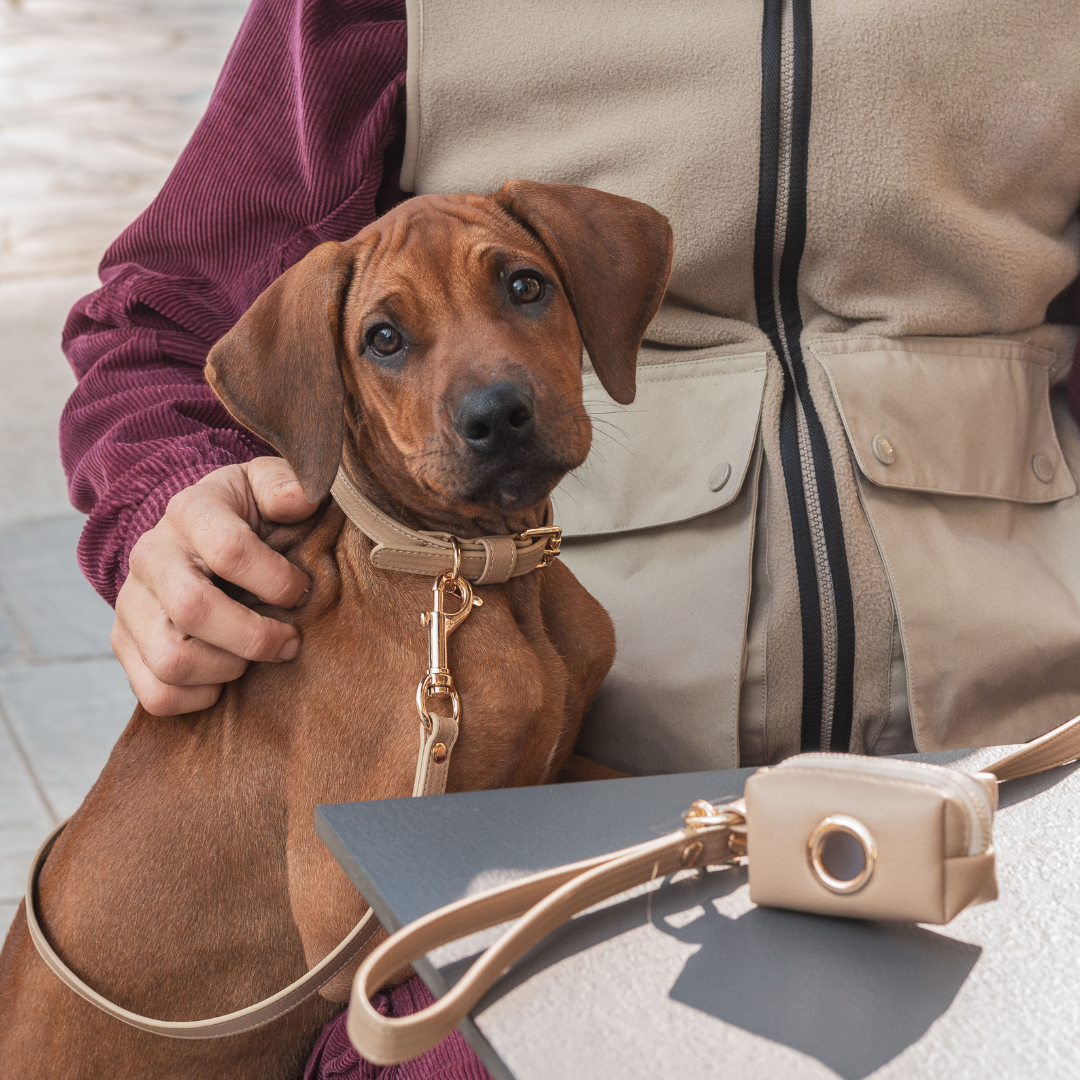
x=486, y=560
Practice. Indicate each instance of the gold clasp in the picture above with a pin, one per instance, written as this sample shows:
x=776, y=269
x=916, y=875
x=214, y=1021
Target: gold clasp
x=440, y=624
x=554, y=542
x=703, y=816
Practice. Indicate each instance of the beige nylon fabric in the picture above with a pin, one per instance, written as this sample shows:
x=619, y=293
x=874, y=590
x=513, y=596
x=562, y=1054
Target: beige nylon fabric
x=675, y=600
x=943, y=181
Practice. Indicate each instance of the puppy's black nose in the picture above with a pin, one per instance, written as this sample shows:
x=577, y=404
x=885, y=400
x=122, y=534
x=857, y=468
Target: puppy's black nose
x=496, y=417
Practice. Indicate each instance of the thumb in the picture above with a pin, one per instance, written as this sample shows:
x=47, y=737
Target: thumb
x=276, y=490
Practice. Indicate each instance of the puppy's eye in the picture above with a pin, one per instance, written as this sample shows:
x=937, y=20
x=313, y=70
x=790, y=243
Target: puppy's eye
x=526, y=288
x=384, y=340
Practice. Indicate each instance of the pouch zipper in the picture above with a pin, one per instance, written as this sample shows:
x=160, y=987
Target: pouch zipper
x=967, y=790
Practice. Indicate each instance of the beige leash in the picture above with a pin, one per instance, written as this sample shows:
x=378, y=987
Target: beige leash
x=542, y=902
x=234, y=1023
x=487, y=560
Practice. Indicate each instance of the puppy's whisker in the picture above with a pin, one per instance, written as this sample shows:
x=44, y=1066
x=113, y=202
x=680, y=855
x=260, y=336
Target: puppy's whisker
x=608, y=423
x=563, y=493
x=622, y=445
x=420, y=454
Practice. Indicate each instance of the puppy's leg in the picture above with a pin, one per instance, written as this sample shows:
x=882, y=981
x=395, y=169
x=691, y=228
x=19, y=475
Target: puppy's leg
x=583, y=635
x=175, y=910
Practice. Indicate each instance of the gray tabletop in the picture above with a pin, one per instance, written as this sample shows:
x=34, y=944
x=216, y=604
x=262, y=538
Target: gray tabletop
x=686, y=977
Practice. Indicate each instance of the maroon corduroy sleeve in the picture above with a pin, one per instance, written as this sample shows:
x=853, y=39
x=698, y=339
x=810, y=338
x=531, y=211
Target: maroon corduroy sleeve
x=289, y=154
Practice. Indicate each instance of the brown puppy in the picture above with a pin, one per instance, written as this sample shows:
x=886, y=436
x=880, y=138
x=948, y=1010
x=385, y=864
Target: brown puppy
x=441, y=348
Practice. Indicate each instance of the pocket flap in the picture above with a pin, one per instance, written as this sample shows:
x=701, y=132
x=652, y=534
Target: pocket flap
x=948, y=416
x=680, y=450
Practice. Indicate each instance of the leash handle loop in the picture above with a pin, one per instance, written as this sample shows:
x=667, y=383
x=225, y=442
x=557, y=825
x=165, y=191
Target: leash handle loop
x=713, y=834
x=544, y=902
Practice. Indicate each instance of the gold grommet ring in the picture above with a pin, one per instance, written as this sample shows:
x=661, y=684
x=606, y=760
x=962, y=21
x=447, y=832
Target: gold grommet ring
x=842, y=854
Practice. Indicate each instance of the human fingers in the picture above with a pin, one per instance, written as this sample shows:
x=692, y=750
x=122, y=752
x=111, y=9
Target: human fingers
x=276, y=490
x=156, y=697
x=214, y=522
x=179, y=582
x=173, y=657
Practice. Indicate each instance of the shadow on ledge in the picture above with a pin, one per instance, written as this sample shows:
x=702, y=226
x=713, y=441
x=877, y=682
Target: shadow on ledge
x=851, y=994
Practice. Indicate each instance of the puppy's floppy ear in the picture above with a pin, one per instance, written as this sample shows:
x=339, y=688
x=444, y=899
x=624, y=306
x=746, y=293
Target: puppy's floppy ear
x=278, y=370
x=614, y=259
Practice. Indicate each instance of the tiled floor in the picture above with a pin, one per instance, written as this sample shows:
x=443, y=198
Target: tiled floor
x=63, y=697
x=97, y=98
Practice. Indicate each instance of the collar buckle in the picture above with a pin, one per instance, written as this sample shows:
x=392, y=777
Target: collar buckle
x=554, y=542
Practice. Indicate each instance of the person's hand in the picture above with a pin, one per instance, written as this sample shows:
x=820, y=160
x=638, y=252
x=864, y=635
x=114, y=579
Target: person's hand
x=178, y=636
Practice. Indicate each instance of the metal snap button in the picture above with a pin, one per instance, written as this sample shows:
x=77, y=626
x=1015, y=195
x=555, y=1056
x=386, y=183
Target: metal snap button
x=719, y=476
x=883, y=450
x=842, y=854
x=1043, y=467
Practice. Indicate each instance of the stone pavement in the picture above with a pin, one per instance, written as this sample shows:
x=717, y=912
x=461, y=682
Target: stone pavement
x=63, y=697
x=97, y=98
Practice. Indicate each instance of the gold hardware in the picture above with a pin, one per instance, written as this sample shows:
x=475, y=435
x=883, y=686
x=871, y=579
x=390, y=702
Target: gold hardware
x=841, y=824
x=440, y=624
x=554, y=542
x=454, y=574
x=703, y=815
x=438, y=753
x=689, y=854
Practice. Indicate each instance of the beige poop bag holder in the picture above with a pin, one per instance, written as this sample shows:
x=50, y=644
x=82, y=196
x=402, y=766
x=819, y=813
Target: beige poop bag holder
x=834, y=834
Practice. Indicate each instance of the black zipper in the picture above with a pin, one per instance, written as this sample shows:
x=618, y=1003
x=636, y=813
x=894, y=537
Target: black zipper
x=825, y=601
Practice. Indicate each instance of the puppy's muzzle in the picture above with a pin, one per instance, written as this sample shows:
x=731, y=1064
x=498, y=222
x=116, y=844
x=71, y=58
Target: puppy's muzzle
x=509, y=456
x=497, y=418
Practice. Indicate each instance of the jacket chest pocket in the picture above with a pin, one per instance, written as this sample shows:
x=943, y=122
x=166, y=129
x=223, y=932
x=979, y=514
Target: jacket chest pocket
x=963, y=465
x=654, y=523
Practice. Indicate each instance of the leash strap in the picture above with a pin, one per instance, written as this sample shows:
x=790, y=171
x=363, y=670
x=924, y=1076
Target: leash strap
x=545, y=901
x=430, y=779
x=713, y=836
x=487, y=560
x=1057, y=747
x=234, y=1023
